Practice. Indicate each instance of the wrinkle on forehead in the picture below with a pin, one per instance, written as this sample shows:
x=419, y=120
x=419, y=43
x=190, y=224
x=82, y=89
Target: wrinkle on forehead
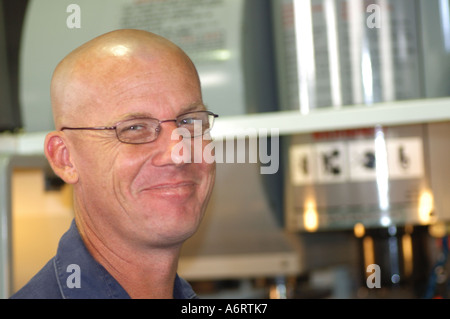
x=86, y=74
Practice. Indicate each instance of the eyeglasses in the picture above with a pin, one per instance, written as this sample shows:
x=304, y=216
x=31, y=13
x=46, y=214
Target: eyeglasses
x=146, y=130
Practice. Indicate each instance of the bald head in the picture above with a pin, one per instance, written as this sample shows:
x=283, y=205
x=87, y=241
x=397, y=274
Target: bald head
x=92, y=73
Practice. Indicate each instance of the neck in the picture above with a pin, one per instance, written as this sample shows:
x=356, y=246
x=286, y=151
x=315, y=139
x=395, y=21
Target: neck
x=144, y=272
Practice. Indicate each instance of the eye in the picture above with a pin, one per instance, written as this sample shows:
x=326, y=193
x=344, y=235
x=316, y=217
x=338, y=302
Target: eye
x=192, y=119
x=137, y=131
x=137, y=126
x=133, y=128
x=188, y=121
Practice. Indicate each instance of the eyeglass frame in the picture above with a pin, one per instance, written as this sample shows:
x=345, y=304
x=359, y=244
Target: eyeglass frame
x=157, y=129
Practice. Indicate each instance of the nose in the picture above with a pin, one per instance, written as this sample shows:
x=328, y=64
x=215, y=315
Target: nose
x=170, y=149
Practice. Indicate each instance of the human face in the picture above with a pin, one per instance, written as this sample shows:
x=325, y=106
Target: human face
x=141, y=194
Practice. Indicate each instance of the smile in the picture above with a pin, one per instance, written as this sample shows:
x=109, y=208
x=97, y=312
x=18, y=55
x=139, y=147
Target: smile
x=171, y=189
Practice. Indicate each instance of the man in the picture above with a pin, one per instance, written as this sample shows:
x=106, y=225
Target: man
x=116, y=101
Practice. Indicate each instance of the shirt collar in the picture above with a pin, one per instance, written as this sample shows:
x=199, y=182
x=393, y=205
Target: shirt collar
x=73, y=259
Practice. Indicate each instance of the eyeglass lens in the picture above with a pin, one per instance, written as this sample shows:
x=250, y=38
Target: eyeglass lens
x=145, y=130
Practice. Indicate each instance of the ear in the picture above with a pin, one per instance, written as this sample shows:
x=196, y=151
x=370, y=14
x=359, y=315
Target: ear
x=58, y=155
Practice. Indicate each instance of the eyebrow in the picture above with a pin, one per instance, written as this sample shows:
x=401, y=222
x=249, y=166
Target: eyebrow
x=140, y=115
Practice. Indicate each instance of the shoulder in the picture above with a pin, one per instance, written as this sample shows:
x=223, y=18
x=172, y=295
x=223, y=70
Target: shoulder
x=43, y=285
x=182, y=289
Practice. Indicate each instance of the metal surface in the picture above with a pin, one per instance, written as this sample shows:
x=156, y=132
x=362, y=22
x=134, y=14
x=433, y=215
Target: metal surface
x=334, y=53
x=5, y=226
x=377, y=177
x=239, y=235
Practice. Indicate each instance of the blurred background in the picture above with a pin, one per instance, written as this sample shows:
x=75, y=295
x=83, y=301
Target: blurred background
x=354, y=95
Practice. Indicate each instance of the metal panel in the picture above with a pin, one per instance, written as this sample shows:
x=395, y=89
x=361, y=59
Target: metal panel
x=5, y=226
x=344, y=52
x=439, y=153
x=239, y=236
x=374, y=176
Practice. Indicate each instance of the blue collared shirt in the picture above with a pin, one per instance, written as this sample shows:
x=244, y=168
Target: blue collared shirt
x=58, y=278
